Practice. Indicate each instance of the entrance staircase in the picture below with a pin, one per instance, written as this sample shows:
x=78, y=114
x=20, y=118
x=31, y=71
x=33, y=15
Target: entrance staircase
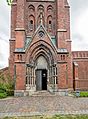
x=43, y=93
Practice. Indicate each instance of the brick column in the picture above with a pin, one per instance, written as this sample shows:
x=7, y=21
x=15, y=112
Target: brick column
x=19, y=46
x=68, y=44
x=20, y=24
x=12, y=39
x=62, y=76
x=75, y=75
x=69, y=60
x=61, y=31
x=20, y=76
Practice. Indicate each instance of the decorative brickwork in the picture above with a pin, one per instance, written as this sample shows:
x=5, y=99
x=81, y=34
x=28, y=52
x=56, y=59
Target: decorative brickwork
x=81, y=78
x=42, y=29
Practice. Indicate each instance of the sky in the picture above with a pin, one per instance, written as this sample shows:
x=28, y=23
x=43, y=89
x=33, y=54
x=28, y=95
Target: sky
x=79, y=25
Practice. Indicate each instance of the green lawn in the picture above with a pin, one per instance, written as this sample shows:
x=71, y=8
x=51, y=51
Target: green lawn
x=53, y=117
x=80, y=94
x=84, y=94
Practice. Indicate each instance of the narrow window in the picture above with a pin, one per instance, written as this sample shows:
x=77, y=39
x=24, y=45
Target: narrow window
x=49, y=22
x=31, y=22
x=21, y=57
x=31, y=25
x=17, y=57
x=50, y=25
x=63, y=57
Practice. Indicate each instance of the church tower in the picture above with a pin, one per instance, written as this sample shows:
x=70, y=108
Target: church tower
x=40, y=46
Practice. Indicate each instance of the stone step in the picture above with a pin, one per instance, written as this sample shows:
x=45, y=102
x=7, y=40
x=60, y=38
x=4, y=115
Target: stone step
x=42, y=93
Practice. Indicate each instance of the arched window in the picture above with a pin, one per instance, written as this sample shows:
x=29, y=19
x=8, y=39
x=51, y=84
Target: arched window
x=63, y=57
x=49, y=23
x=31, y=25
x=21, y=57
x=17, y=57
x=31, y=22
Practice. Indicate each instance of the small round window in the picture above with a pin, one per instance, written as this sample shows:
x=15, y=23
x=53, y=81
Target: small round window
x=41, y=33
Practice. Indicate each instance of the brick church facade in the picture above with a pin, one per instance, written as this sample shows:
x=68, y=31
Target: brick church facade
x=40, y=48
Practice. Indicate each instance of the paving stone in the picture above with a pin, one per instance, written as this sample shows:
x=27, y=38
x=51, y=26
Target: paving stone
x=36, y=105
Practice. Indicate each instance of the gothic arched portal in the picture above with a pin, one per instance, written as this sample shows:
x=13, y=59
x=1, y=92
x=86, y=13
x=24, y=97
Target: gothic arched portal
x=41, y=73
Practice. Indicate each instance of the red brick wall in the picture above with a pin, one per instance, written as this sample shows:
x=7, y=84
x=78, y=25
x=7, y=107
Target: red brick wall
x=12, y=39
x=35, y=13
x=62, y=76
x=60, y=28
x=81, y=58
x=20, y=76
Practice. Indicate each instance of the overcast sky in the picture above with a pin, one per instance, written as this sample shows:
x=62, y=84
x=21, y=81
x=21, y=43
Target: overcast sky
x=79, y=25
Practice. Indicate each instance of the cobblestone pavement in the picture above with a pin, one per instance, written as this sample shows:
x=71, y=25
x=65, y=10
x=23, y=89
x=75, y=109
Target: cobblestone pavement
x=37, y=105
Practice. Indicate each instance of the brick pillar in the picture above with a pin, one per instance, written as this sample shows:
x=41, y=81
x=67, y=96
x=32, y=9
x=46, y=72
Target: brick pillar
x=75, y=75
x=67, y=19
x=20, y=76
x=69, y=60
x=12, y=40
x=68, y=44
x=11, y=58
x=19, y=46
x=20, y=24
x=61, y=31
x=62, y=76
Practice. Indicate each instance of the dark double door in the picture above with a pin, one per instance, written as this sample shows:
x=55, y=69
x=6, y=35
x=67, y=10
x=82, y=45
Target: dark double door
x=41, y=79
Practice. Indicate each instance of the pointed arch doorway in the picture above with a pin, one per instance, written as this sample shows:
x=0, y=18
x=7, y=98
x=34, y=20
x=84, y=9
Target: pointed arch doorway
x=41, y=73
